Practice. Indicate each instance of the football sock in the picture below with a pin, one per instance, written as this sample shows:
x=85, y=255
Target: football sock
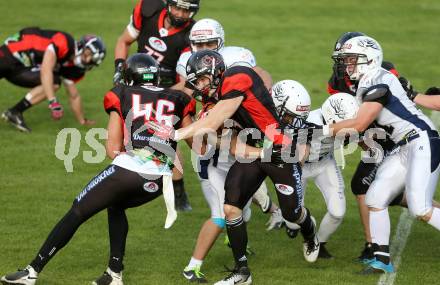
x=307, y=227
x=118, y=230
x=435, y=219
x=328, y=226
x=193, y=263
x=178, y=187
x=22, y=106
x=238, y=239
x=380, y=234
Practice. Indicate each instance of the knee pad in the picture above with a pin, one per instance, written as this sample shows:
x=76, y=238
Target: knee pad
x=220, y=222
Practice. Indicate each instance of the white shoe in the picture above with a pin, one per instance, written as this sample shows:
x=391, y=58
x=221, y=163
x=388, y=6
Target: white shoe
x=237, y=276
x=276, y=220
x=109, y=278
x=27, y=276
x=311, y=247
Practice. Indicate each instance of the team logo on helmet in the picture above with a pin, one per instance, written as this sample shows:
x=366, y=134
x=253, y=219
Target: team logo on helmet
x=278, y=92
x=157, y=44
x=303, y=108
x=208, y=60
x=151, y=187
x=368, y=43
x=337, y=106
x=284, y=189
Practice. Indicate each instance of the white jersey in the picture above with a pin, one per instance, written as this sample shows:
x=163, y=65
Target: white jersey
x=399, y=115
x=322, y=146
x=233, y=56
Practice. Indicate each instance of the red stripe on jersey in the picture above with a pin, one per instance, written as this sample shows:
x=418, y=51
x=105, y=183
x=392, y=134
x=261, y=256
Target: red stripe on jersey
x=173, y=30
x=190, y=108
x=28, y=42
x=394, y=71
x=137, y=15
x=61, y=44
x=330, y=90
x=262, y=117
x=112, y=102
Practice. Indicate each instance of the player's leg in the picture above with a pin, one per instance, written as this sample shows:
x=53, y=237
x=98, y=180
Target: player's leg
x=288, y=185
x=212, y=181
x=241, y=183
x=331, y=184
x=262, y=198
x=180, y=195
x=423, y=171
x=388, y=184
x=135, y=195
x=360, y=182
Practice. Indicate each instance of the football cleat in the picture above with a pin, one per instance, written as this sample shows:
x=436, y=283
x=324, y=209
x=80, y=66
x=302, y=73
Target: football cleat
x=16, y=119
x=311, y=246
x=194, y=275
x=276, y=220
x=377, y=266
x=182, y=203
x=109, y=278
x=323, y=252
x=367, y=254
x=27, y=276
x=240, y=275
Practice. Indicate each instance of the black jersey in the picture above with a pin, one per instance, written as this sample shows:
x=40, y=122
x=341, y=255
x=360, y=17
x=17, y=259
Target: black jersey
x=164, y=45
x=257, y=110
x=30, y=44
x=139, y=104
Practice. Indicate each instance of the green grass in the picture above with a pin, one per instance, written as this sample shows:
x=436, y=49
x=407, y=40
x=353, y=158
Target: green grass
x=292, y=40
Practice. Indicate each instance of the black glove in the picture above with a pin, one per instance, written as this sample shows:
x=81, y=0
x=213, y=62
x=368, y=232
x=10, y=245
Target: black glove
x=433, y=91
x=119, y=66
x=406, y=84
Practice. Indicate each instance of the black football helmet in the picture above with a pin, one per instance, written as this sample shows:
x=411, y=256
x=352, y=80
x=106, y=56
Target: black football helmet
x=339, y=67
x=96, y=45
x=191, y=5
x=141, y=68
x=204, y=63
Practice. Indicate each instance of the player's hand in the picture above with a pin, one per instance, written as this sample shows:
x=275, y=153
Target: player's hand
x=161, y=130
x=56, y=109
x=433, y=91
x=409, y=89
x=119, y=66
x=87, y=122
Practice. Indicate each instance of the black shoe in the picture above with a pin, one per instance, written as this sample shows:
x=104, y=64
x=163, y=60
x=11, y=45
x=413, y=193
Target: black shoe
x=367, y=253
x=181, y=202
x=16, y=119
x=323, y=252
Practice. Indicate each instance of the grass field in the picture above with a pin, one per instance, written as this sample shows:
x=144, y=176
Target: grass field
x=292, y=40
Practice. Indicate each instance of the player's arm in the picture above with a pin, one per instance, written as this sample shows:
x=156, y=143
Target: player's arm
x=223, y=110
x=76, y=103
x=187, y=121
x=265, y=76
x=46, y=73
x=428, y=101
x=114, y=144
x=241, y=149
x=123, y=44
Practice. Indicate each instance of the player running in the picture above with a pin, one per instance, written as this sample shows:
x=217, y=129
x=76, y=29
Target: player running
x=41, y=59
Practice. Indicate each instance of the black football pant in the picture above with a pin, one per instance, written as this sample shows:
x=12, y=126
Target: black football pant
x=114, y=189
x=242, y=182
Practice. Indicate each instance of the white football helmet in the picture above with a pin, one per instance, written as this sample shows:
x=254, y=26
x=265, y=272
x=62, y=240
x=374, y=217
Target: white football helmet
x=339, y=107
x=360, y=55
x=207, y=30
x=292, y=102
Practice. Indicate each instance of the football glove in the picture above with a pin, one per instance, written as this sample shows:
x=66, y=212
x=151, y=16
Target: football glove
x=119, y=66
x=406, y=84
x=56, y=109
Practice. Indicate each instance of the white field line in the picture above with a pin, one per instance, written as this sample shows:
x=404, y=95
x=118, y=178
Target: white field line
x=397, y=245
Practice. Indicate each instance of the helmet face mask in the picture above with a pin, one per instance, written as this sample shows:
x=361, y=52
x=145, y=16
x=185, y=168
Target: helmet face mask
x=207, y=34
x=141, y=69
x=204, y=71
x=338, y=67
x=292, y=103
x=192, y=6
x=359, y=55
